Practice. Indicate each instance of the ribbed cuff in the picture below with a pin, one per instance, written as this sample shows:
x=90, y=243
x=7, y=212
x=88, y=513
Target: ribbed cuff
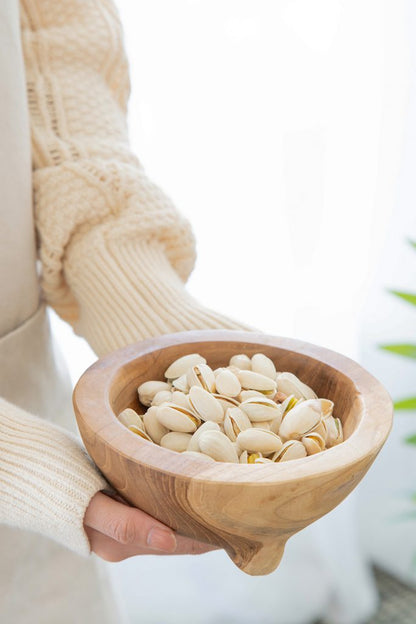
x=128, y=291
x=46, y=478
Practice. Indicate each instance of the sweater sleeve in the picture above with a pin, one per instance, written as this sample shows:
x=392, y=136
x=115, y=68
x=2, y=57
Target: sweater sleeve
x=46, y=478
x=114, y=250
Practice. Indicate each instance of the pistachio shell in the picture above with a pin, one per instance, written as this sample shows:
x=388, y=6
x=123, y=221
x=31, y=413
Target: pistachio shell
x=182, y=399
x=181, y=365
x=149, y=389
x=218, y=446
x=235, y=421
x=290, y=403
x=201, y=376
x=252, y=457
x=262, y=364
x=140, y=432
x=263, y=460
x=335, y=433
x=225, y=401
x=129, y=417
x=247, y=394
x=227, y=383
x=152, y=426
x=261, y=408
x=198, y=455
x=176, y=441
x=181, y=383
x=255, y=381
x=243, y=457
x=259, y=440
x=241, y=361
x=313, y=443
x=327, y=407
x=292, y=449
x=205, y=404
x=301, y=419
x=322, y=429
x=206, y=426
x=263, y=424
x=290, y=384
x=177, y=418
x=161, y=397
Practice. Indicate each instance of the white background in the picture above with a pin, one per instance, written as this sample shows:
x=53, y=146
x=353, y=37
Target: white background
x=284, y=130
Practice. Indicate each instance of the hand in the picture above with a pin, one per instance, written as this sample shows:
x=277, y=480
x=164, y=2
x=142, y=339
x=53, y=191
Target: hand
x=117, y=531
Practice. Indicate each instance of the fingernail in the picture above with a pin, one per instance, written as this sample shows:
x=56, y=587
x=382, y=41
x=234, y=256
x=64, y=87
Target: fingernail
x=161, y=539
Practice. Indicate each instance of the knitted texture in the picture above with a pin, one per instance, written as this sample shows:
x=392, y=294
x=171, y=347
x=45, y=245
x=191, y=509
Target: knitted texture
x=84, y=171
x=46, y=478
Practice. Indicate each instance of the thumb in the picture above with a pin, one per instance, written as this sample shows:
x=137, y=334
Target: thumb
x=128, y=525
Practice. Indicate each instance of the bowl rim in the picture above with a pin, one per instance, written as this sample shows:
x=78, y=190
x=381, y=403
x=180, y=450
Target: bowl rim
x=364, y=443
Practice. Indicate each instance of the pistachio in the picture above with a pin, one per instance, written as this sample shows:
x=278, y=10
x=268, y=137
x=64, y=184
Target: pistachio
x=263, y=424
x=198, y=455
x=261, y=408
x=201, y=376
x=255, y=381
x=259, y=440
x=176, y=441
x=227, y=383
x=149, y=389
x=225, y=401
x=290, y=384
x=262, y=460
x=139, y=432
x=262, y=364
x=292, y=449
x=335, y=433
x=243, y=457
x=209, y=425
x=313, y=443
x=289, y=402
x=241, y=361
x=326, y=407
x=252, y=457
x=161, y=397
x=247, y=394
x=180, y=366
x=182, y=399
x=177, y=418
x=301, y=419
x=205, y=405
x=235, y=421
x=279, y=397
x=129, y=417
x=180, y=383
x=218, y=446
x=152, y=426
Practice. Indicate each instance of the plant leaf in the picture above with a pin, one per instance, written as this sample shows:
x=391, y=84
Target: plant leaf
x=407, y=350
x=409, y=297
x=405, y=404
x=411, y=440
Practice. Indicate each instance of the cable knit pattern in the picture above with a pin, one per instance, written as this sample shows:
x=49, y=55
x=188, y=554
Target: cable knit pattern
x=85, y=174
x=46, y=478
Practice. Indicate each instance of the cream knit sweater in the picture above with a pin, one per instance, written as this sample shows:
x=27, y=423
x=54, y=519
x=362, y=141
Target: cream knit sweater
x=115, y=253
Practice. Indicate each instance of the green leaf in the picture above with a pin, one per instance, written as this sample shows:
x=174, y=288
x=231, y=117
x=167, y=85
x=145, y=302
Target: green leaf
x=405, y=404
x=409, y=297
x=406, y=350
x=411, y=440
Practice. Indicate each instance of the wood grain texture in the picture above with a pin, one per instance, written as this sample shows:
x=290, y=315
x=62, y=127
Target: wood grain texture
x=249, y=510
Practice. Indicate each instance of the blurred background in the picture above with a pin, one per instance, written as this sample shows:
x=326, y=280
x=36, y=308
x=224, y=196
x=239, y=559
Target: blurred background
x=286, y=132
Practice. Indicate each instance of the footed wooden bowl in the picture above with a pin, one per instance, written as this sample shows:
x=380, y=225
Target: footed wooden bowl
x=249, y=510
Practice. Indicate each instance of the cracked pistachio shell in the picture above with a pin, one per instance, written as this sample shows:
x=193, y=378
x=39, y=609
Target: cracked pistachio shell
x=129, y=417
x=247, y=394
x=235, y=421
x=263, y=460
x=335, y=433
x=176, y=441
x=225, y=401
x=290, y=384
x=243, y=457
x=240, y=361
x=313, y=443
x=180, y=366
x=209, y=425
x=152, y=426
x=149, y=389
x=289, y=403
x=327, y=407
x=227, y=383
x=255, y=381
x=261, y=408
x=181, y=383
x=218, y=446
x=177, y=418
x=205, y=405
x=161, y=397
x=201, y=376
x=301, y=419
x=292, y=449
x=198, y=455
x=140, y=432
x=262, y=364
x=259, y=441
x=182, y=399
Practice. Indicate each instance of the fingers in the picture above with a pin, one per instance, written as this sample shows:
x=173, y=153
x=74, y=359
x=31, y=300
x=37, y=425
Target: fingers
x=127, y=525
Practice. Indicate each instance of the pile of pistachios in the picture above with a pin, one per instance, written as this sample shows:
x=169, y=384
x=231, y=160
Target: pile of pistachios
x=245, y=412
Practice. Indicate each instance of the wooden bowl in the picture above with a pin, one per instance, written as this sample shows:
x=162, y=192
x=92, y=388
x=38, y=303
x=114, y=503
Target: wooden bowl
x=249, y=510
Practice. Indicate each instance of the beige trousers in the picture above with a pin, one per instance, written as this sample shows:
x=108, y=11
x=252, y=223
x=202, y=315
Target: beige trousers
x=40, y=581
